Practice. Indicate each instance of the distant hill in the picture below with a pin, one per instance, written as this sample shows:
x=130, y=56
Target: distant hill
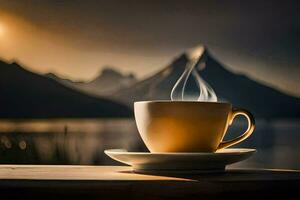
x=107, y=82
x=238, y=89
x=28, y=95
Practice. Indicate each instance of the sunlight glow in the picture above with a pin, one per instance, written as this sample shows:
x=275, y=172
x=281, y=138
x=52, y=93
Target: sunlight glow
x=2, y=29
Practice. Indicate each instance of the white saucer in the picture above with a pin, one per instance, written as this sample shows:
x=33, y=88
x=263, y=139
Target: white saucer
x=191, y=163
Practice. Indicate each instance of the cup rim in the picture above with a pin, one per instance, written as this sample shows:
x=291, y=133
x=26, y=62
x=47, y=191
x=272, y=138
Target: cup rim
x=170, y=101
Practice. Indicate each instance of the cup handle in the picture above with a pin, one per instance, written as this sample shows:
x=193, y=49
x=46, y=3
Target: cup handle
x=251, y=125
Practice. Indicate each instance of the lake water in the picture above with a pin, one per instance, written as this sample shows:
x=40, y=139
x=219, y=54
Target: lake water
x=82, y=141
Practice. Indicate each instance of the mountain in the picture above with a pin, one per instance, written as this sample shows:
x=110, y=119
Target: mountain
x=262, y=100
x=63, y=81
x=156, y=87
x=106, y=83
x=28, y=95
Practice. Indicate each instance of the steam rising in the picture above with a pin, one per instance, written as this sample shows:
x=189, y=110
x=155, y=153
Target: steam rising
x=179, y=91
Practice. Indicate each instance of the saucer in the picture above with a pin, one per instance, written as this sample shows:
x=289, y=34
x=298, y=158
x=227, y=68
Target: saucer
x=185, y=163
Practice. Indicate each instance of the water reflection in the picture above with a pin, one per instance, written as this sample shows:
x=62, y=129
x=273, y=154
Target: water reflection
x=82, y=141
x=65, y=141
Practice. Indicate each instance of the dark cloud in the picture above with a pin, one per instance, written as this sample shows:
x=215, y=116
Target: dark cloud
x=168, y=23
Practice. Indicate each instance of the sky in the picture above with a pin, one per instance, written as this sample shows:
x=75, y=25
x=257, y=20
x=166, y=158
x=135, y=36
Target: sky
x=76, y=39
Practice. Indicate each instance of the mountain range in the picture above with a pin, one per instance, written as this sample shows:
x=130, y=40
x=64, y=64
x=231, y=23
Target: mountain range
x=25, y=94
x=107, y=82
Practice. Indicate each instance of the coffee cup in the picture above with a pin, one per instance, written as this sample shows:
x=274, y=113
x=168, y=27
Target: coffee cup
x=186, y=126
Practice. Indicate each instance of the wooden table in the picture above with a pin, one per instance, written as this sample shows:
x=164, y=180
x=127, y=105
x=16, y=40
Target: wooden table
x=116, y=182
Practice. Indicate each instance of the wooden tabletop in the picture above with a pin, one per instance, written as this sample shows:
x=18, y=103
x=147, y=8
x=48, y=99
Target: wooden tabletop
x=115, y=182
